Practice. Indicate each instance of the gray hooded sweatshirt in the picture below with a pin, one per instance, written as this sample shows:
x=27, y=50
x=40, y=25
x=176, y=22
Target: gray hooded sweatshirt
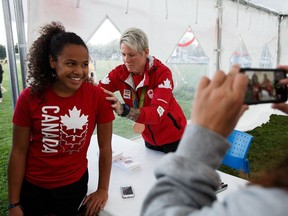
x=187, y=181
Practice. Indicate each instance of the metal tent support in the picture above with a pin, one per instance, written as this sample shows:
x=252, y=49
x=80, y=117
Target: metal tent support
x=11, y=53
x=219, y=5
x=22, y=45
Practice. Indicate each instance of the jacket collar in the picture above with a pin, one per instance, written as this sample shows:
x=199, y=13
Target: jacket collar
x=145, y=81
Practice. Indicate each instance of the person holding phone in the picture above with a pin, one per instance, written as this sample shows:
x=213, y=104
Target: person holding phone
x=187, y=179
x=53, y=122
x=266, y=85
x=146, y=86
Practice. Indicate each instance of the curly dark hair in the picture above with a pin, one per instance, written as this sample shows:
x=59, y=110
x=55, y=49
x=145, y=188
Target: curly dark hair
x=53, y=38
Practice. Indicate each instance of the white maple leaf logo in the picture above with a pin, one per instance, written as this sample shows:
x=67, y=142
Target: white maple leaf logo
x=167, y=84
x=75, y=120
x=66, y=138
x=106, y=80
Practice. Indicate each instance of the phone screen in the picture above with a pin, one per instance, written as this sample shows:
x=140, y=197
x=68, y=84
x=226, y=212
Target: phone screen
x=264, y=86
x=127, y=191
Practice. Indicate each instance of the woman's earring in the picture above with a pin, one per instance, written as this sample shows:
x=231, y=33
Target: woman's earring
x=53, y=74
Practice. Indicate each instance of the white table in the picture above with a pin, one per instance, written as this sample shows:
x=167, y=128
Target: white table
x=141, y=178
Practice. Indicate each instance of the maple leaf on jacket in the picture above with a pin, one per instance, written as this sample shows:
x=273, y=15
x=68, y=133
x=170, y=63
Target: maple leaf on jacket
x=75, y=120
x=167, y=84
x=106, y=80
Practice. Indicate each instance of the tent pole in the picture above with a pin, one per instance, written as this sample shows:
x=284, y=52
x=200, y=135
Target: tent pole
x=78, y=4
x=219, y=33
x=280, y=18
x=250, y=4
x=10, y=51
x=22, y=45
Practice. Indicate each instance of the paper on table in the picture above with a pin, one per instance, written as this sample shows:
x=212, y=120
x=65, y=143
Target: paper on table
x=127, y=163
x=116, y=155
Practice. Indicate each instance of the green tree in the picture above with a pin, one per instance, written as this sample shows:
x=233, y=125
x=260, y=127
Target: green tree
x=2, y=52
x=105, y=52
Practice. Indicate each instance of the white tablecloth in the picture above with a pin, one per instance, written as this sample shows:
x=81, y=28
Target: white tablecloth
x=141, y=178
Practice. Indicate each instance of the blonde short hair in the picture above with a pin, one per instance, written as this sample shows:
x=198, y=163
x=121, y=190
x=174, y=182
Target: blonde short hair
x=135, y=38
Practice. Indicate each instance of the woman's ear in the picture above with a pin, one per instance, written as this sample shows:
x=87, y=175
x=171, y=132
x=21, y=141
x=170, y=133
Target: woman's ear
x=146, y=52
x=52, y=62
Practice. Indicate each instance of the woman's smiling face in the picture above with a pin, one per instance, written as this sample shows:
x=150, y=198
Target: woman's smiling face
x=71, y=68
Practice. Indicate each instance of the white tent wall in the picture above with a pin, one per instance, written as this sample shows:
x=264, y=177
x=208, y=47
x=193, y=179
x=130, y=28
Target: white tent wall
x=284, y=41
x=256, y=28
x=167, y=32
x=164, y=27
x=83, y=20
x=166, y=21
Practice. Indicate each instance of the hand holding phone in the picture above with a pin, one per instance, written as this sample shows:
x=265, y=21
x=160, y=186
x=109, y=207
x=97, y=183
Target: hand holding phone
x=264, y=86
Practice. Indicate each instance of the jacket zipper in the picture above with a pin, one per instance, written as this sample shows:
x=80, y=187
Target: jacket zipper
x=174, y=121
x=152, y=135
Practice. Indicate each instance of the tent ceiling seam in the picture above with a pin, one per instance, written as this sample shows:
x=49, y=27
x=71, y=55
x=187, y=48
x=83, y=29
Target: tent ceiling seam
x=258, y=7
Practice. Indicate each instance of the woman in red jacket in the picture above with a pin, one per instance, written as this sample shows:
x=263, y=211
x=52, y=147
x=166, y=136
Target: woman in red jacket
x=145, y=85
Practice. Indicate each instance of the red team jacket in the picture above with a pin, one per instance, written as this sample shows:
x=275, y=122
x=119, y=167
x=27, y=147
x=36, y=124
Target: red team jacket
x=163, y=117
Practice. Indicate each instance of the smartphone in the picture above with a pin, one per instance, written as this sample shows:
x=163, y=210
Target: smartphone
x=127, y=191
x=264, y=86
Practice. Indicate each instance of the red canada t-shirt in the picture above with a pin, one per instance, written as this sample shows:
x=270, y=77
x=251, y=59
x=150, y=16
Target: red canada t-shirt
x=61, y=129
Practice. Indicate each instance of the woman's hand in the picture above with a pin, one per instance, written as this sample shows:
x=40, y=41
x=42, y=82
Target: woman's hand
x=95, y=202
x=115, y=103
x=282, y=106
x=16, y=211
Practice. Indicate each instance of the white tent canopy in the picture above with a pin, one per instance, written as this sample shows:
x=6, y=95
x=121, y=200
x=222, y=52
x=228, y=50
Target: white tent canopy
x=166, y=21
x=220, y=26
x=279, y=6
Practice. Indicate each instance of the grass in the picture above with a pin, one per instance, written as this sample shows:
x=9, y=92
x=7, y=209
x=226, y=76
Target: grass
x=270, y=144
x=267, y=149
x=5, y=139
